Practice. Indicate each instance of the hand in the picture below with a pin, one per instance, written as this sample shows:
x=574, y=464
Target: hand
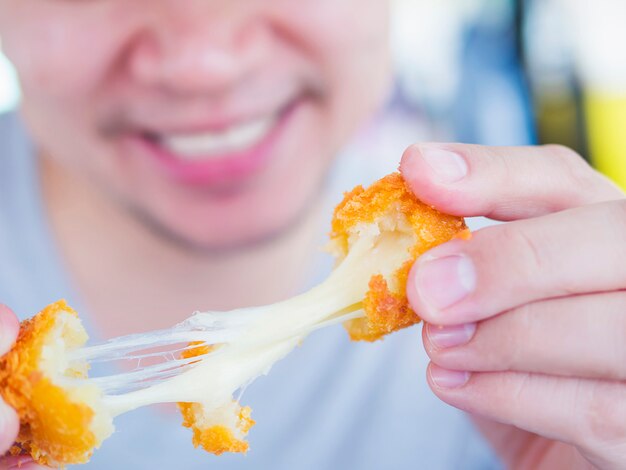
x=526, y=321
x=9, y=421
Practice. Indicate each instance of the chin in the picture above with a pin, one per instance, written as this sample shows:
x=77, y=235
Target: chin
x=224, y=239
x=220, y=228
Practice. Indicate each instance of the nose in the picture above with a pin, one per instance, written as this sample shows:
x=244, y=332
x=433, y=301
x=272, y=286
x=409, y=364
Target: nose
x=193, y=47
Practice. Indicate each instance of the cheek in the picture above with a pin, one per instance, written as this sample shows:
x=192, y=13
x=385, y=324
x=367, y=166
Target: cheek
x=348, y=43
x=62, y=49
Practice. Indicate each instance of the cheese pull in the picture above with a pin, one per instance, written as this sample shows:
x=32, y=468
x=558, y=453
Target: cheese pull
x=205, y=362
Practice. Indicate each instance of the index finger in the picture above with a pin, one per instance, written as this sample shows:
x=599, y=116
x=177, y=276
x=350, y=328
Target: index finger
x=503, y=183
x=572, y=252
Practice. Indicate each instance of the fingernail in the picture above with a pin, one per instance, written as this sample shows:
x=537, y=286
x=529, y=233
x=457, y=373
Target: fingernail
x=23, y=463
x=448, y=167
x=443, y=337
x=443, y=282
x=444, y=378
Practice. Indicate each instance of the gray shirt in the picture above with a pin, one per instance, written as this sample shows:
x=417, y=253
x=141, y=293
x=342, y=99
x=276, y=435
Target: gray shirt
x=331, y=404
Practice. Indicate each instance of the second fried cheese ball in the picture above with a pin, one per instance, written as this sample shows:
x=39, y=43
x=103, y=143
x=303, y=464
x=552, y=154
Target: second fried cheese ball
x=389, y=208
x=61, y=421
x=219, y=430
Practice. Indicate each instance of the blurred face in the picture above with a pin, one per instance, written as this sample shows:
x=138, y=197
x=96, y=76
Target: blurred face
x=212, y=120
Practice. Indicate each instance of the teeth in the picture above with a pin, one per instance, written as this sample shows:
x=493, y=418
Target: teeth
x=216, y=144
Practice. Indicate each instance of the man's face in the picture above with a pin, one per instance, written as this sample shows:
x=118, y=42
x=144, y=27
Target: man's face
x=214, y=120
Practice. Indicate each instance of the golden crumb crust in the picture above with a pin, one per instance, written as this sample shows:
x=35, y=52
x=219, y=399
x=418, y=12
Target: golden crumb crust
x=388, y=310
x=54, y=429
x=215, y=438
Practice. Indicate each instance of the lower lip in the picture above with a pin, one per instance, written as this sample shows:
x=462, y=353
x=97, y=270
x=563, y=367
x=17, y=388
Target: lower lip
x=227, y=169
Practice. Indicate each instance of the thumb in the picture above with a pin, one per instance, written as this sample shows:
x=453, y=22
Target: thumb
x=503, y=183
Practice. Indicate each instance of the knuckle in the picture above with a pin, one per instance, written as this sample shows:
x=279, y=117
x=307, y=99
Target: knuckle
x=621, y=336
x=581, y=176
x=518, y=346
x=520, y=392
x=618, y=214
x=604, y=416
x=506, y=168
x=563, y=152
x=516, y=247
x=575, y=166
x=412, y=149
x=612, y=215
x=520, y=241
x=568, y=158
x=508, y=333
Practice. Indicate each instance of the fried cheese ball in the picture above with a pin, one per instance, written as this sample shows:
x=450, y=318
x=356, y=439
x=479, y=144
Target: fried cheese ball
x=390, y=206
x=60, y=423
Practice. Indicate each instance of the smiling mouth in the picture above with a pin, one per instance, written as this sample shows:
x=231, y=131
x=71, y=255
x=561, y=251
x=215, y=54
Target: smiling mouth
x=227, y=155
x=215, y=145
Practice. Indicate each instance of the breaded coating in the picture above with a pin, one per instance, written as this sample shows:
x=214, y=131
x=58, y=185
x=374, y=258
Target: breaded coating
x=56, y=422
x=218, y=438
x=217, y=431
x=391, y=205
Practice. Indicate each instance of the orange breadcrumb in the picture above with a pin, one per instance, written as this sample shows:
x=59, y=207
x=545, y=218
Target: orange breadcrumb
x=214, y=438
x=390, y=202
x=217, y=438
x=54, y=427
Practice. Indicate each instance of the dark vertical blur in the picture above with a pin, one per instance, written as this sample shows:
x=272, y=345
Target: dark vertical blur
x=555, y=91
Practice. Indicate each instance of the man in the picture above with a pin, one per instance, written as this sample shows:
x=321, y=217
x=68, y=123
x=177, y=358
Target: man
x=177, y=162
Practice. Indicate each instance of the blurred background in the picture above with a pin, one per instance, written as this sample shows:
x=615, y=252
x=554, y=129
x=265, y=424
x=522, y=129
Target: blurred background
x=504, y=72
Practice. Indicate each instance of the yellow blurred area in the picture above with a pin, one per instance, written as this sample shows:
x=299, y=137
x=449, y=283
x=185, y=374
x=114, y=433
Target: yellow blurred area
x=606, y=125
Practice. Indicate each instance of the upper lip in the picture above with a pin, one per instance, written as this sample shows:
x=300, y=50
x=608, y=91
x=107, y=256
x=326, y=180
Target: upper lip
x=203, y=126
x=201, y=121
